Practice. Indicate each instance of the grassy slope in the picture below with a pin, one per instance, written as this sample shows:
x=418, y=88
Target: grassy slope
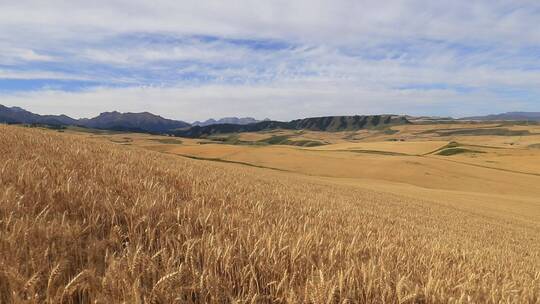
x=83, y=221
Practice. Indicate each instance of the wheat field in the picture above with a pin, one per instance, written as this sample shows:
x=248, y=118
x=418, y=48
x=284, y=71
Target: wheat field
x=85, y=221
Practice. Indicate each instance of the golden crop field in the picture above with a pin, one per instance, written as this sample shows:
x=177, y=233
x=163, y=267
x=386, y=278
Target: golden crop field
x=131, y=218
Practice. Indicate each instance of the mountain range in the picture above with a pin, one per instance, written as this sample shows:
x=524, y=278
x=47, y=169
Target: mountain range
x=521, y=116
x=327, y=123
x=155, y=124
x=150, y=123
x=227, y=120
x=134, y=122
x=18, y=115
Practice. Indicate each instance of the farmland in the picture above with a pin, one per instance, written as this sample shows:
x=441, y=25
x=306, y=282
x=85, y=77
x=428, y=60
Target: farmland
x=420, y=213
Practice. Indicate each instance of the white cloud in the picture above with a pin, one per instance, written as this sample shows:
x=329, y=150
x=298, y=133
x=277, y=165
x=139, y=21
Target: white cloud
x=31, y=75
x=31, y=55
x=10, y=55
x=279, y=101
x=344, y=55
x=321, y=21
x=140, y=55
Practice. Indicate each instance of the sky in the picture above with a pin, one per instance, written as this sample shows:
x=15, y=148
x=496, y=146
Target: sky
x=194, y=60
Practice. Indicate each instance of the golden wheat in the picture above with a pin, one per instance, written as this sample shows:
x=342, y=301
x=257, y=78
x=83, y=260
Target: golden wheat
x=83, y=221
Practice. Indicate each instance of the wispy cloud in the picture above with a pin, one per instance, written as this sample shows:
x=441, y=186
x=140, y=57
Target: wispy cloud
x=283, y=58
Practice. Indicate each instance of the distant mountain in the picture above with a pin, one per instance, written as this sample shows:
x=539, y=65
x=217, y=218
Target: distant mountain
x=18, y=115
x=135, y=122
x=151, y=123
x=328, y=123
x=346, y=123
x=520, y=116
x=429, y=119
x=227, y=120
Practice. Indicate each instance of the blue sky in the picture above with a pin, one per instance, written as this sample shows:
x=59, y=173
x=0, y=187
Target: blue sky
x=280, y=59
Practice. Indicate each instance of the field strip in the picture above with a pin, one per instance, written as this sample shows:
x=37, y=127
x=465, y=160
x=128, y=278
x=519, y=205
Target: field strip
x=226, y=161
x=397, y=188
x=379, y=152
x=481, y=166
x=438, y=149
x=461, y=128
x=480, y=205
